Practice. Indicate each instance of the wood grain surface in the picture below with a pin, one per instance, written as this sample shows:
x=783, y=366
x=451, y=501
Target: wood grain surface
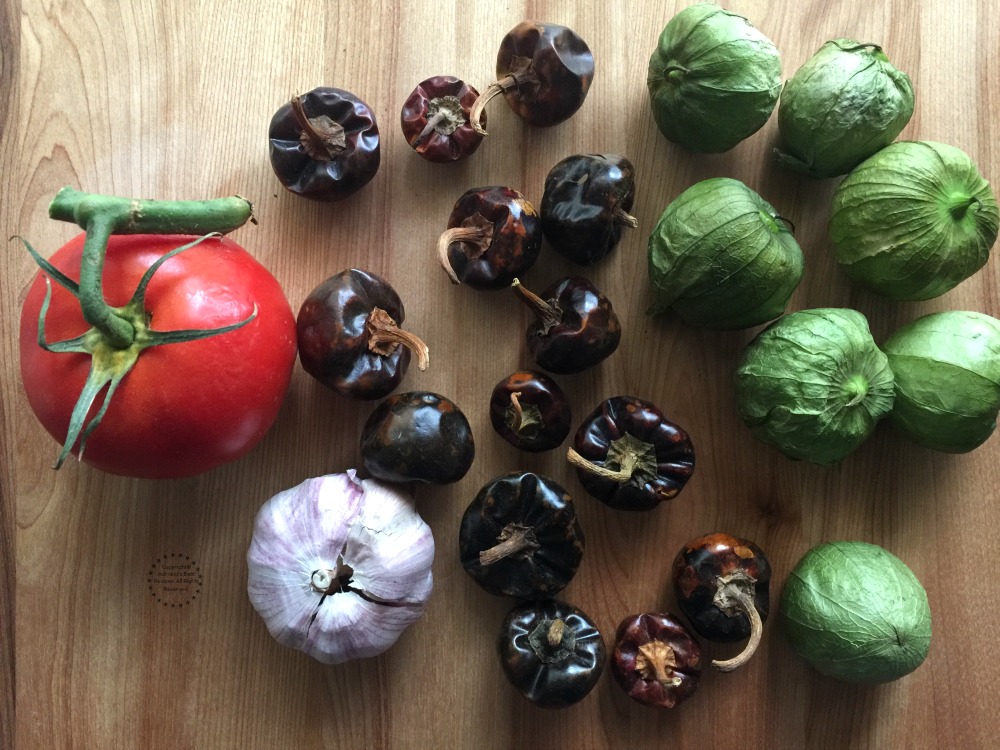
x=172, y=100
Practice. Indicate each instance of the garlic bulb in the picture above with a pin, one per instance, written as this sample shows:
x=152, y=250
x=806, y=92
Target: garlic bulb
x=339, y=566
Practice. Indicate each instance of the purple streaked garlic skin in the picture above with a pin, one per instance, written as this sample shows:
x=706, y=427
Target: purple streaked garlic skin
x=340, y=566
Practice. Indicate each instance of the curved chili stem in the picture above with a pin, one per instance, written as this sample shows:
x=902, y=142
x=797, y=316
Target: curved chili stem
x=515, y=411
x=523, y=74
x=621, y=476
x=450, y=236
x=548, y=314
x=746, y=604
x=493, y=90
x=384, y=335
x=322, y=137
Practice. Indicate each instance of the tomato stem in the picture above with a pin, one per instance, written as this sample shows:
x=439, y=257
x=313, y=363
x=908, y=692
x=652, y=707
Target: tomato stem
x=100, y=216
x=131, y=216
x=110, y=365
x=120, y=334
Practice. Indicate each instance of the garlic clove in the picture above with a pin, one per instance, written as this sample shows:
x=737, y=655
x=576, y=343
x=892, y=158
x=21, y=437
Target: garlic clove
x=339, y=567
x=348, y=627
x=391, y=556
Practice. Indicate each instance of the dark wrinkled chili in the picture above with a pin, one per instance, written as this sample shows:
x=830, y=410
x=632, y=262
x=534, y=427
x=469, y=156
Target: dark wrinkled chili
x=493, y=235
x=586, y=204
x=655, y=660
x=435, y=119
x=520, y=537
x=630, y=456
x=417, y=437
x=324, y=145
x=349, y=336
x=575, y=326
x=552, y=652
x=530, y=411
x=544, y=71
x=722, y=584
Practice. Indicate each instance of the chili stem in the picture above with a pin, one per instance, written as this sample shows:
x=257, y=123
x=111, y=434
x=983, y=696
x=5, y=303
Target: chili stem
x=622, y=216
x=622, y=475
x=492, y=91
x=555, y=634
x=455, y=234
x=384, y=335
x=746, y=603
x=429, y=128
x=513, y=539
x=325, y=135
x=547, y=313
x=517, y=413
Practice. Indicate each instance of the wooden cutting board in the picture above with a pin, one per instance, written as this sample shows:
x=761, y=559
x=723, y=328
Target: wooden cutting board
x=172, y=100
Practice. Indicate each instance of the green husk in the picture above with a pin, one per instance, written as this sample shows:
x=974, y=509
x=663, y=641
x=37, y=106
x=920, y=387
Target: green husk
x=814, y=384
x=845, y=103
x=947, y=369
x=914, y=220
x=713, y=79
x=721, y=257
x=856, y=612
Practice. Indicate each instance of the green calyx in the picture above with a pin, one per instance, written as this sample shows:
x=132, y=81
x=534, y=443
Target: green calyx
x=119, y=335
x=855, y=389
x=845, y=45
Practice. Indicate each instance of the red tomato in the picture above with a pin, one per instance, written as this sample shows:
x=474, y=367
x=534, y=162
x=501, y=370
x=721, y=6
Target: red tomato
x=183, y=408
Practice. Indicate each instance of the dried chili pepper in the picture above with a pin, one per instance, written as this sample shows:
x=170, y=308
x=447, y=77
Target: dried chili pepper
x=520, y=537
x=435, y=119
x=586, y=203
x=544, y=71
x=349, y=335
x=630, y=456
x=493, y=235
x=552, y=652
x=324, y=145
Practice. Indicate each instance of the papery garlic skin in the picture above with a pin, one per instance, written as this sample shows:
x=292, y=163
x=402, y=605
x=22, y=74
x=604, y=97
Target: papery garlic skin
x=319, y=527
